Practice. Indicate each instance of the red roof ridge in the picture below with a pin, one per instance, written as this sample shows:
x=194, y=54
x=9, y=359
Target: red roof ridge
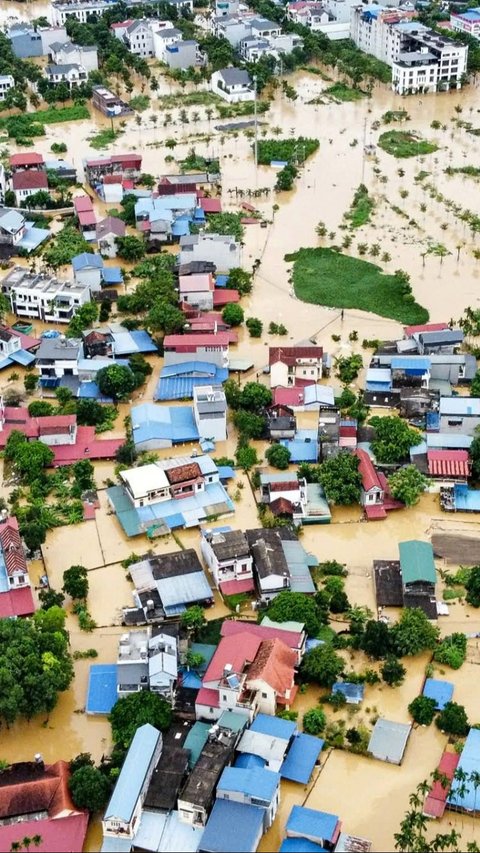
x=274, y=663
x=289, y=355
x=370, y=478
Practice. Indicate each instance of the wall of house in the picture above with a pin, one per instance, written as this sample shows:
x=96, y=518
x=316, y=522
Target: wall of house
x=88, y=277
x=107, y=246
x=465, y=425
x=214, y=427
x=266, y=696
x=212, y=355
x=272, y=585
x=224, y=255
x=278, y=375
x=185, y=56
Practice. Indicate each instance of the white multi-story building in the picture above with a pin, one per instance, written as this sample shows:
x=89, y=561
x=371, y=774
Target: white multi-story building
x=82, y=9
x=210, y=412
x=42, y=296
x=467, y=22
x=71, y=74
x=421, y=59
x=6, y=83
x=65, y=53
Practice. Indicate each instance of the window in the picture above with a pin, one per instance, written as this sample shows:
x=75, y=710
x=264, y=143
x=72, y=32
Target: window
x=224, y=697
x=454, y=423
x=264, y=696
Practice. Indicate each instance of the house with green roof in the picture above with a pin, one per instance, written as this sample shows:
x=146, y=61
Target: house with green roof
x=419, y=575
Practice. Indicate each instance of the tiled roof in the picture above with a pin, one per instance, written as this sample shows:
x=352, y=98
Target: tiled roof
x=274, y=664
x=367, y=470
x=290, y=355
x=220, y=339
x=231, y=627
x=26, y=158
x=231, y=651
x=30, y=180
x=16, y=602
x=208, y=697
x=183, y=473
x=12, y=547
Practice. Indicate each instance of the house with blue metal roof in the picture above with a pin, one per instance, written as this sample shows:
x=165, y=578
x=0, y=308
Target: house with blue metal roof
x=301, y=758
x=125, y=806
x=232, y=828
x=439, y=690
x=156, y=427
x=303, y=447
x=315, y=826
x=177, y=381
x=251, y=786
x=89, y=269
x=464, y=794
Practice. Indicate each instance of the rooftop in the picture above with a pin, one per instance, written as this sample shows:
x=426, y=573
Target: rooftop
x=274, y=664
x=229, y=544
x=30, y=179
x=389, y=740
x=416, y=562
x=132, y=775
x=232, y=828
x=312, y=824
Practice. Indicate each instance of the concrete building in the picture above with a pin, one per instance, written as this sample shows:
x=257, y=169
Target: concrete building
x=227, y=555
x=42, y=296
x=61, y=10
x=176, y=52
x=67, y=52
x=195, y=347
x=466, y=22
x=71, y=74
x=137, y=35
x=58, y=357
x=294, y=365
x=146, y=662
x=29, y=40
x=27, y=183
x=106, y=234
x=210, y=412
x=232, y=84
x=222, y=250
x=197, y=290
x=421, y=59
x=108, y=103
x=6, y=83
x=459, y=415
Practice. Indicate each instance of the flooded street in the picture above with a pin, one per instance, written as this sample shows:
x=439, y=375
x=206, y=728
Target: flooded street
x=352, y=786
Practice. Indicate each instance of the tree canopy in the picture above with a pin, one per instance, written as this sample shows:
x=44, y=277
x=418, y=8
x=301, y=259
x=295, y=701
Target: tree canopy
x=472, y=585
x=35, y=664
x=116, y=381
x=376, y=641
x=423, y=710
x=297, y=607
x=278, y=456
x=314, y=721
x=407, y=485
x=393, y=672
x=90, y=788
x=322, y=665
x=453, y=720
x=75, y=582
x=133, y=711
x=393, y=438
x=341, y=478
x=413, y=633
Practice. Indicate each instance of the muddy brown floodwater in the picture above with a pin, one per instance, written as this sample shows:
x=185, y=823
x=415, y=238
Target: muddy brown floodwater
x=371, y=797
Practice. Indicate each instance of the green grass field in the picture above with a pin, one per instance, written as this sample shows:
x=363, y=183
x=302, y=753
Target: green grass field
x=326, y=277
x=404, y=143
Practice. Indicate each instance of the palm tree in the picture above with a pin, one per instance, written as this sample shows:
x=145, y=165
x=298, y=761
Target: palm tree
x=209, y=114
x=195, y=117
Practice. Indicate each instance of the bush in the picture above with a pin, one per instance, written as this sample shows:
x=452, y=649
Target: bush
x=453, y=720
x=423, y=710
x=472, y=585
x=246, y=457
x=90, y=788
x=452, y=651
x=255, y=327
x=314, y=721
x=233, y=314
x=278, y=456
x=393, y=672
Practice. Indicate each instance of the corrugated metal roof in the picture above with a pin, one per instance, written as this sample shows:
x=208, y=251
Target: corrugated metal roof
x=301, y=758
x=253, y=782
x=448, y=463
x=133, y=773
x=300, y=845
x=184, y=589
x=312, y=824
x=102, y=688
x=195, y=741
x=410, y=362
x=416, y=561
x=448, y=440
x=460, y=406
x=389, y=740
x=233, y=828
x=441, y=691
x=274, y=726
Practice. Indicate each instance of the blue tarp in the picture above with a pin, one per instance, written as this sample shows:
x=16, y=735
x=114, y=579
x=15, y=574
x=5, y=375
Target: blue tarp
x=441, y=691
x=433, y=421
x=300, y=845
x=112, y=275
x=102, y=688
x=301, y=758
x=275, y=726
x=353, y=692
x=312, y=824
x=233, y=828
x=248, y=759
x=221, y=280
x=191, y=680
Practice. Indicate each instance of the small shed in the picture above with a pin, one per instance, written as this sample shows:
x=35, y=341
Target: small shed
x=301, y=758
x=102, y=688
x=389, y=740
x=320, y=827
x=441, y=691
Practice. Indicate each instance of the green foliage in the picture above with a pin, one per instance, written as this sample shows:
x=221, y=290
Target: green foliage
x=327, y=277
x=246, y=457
x=82, y=319
x=193, y=618
x=393, y=672
x=58, y=147
x=290, y=606
x=33, y=534
x=30, y=382
x=472, y=585
x=475, y=385
x=24, y=127
x=239, y=279
x=139, y=103
x=403, y=143
x=376, y=641
x=166, y=318
x=407, y=485
x=233, y=314
x=361, y=208
x=343, y=93
x=395, y=115
x=293, y=150
x=348, y=367
x=35, y=664
x=116, y=381
x=393, y=439
x=226, y=223
x=62, y=248
x=248, y=424
x=50, y=598
x=413, y=633
x=29, y=458
x=341, y=479
x=452, y=650
x=314, y=721
x=286, y=178
x=128, y=714
x=254, y=397
x=130, y=248
x=278, y=456
x=75, y=582
x=453, y=720
x=423, y=710
x=255, y=327
x=322, y=665
x=91, y=413
x=90, y=788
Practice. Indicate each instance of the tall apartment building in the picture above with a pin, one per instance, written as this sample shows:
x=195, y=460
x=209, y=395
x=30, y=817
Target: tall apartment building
x=421, y=59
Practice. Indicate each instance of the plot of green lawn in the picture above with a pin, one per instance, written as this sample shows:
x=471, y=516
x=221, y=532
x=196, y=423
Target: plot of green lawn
x=325, y=277
x=404, y=143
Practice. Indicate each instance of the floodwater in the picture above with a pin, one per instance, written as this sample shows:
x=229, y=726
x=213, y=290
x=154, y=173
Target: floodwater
x=352, y=786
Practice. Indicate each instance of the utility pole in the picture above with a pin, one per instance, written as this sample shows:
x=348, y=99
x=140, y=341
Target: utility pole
x=363, y=153
x=255, y=144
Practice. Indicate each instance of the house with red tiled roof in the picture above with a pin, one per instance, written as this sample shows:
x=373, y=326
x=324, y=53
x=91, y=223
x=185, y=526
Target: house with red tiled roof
x=247, y=674
x=449, y=465
x=295, y=640
x=372, y=491
x=15, y=592
x=26, y=160
x=27, y=182
x=35, y=801
x=295, y=365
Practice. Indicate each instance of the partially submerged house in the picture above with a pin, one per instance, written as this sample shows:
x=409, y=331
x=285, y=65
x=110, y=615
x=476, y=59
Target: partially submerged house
x=375, y=495
x=310, y=825
x=210, y=412
x=280, y=562
x=292, y=497
x=227, y=555
x=178, y=381
x=147, y=660
x=409, y=581
x=388, y=741
x=188, y=348
x=165, y=585
x=16, y=597
x=295, y=365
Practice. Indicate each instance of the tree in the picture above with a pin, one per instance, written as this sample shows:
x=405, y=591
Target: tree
x=116, y=381
x=452, y=650
x=393, y=438
x=290, y=606
x=407, y=485
x=50, y=598
x=322, y=665
x=254, y=397
x=341, y=478
x=472, y=585
x=233, y=315
x=314, y=721
x=348, y=367
x=133, y=711
x=90, y=788
x=475, y=385
x=130, y=248
x=35, y=664
x=30, y=382
x=255, y=327
x=82, y=319
x=453, y=720
x=239, y=279
x=393, y=672
x=423, y=710
x=475, y=454
x=40, y=409
x=278, y=456
x=193, y=618
x=33, y=534
x=75, y=582
x=164, y=317
x=249, y=424
x=376, y=641
x=83, y=472
x=413, y=633
x=30, y=458
x=246, y=457
x=412, y=836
